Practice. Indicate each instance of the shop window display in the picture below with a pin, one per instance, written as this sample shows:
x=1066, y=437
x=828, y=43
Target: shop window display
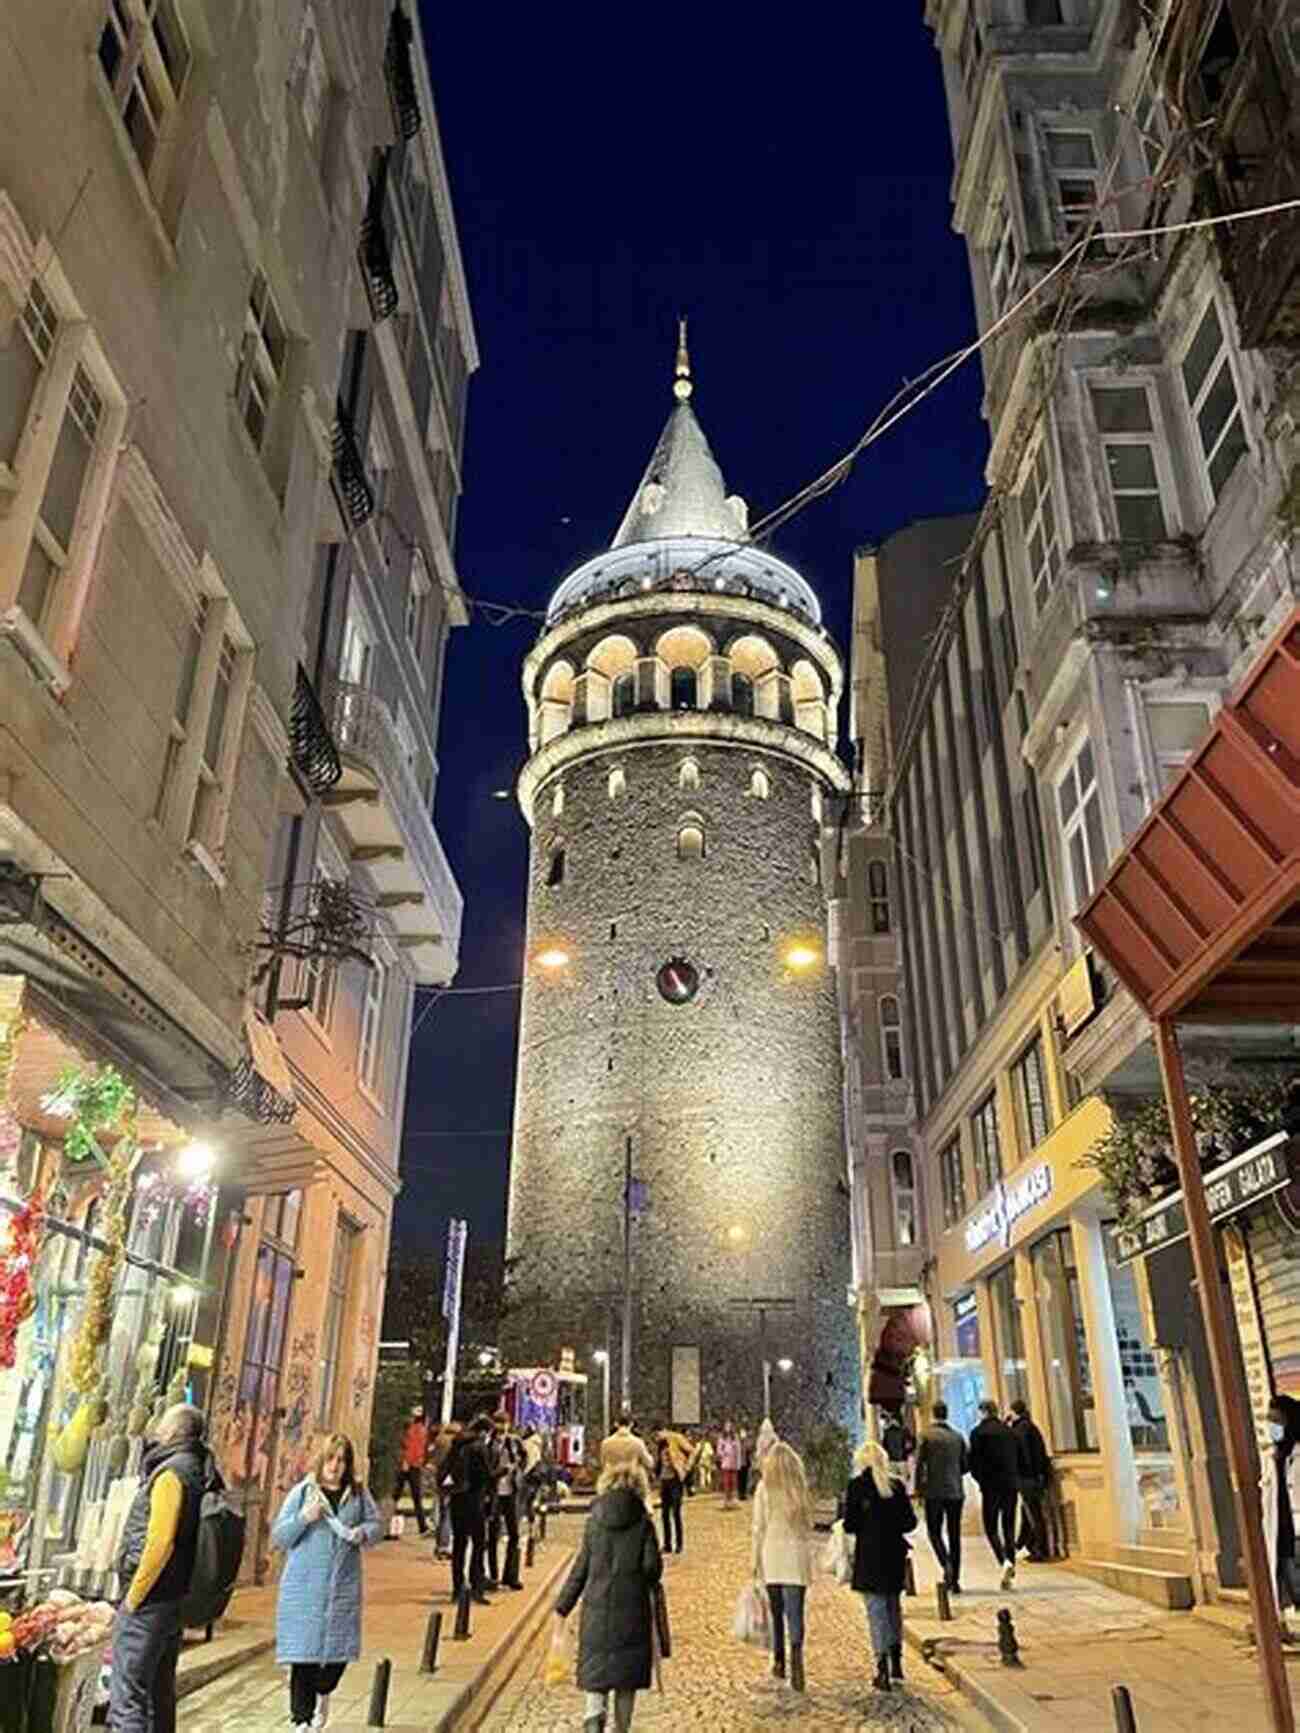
x=963, y=1382
x=1144, y=1399
x=1067, y=1366
x=1010, y=1335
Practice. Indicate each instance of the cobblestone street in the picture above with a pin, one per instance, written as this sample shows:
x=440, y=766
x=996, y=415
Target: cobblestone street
x=714, y=1681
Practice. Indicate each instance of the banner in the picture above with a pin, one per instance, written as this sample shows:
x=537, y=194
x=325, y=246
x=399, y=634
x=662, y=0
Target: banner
x=686, y=1386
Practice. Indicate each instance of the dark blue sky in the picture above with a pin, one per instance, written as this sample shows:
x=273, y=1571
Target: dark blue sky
x=789, y=192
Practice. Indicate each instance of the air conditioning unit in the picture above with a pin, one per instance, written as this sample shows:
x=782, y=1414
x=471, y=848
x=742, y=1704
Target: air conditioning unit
x=44, y=664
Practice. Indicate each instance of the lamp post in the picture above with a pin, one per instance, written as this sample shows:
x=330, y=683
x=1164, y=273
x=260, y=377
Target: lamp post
x=601, y=1357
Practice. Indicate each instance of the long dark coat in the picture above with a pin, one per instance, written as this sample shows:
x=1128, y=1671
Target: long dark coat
x=878, y=1526
x=614, y=1573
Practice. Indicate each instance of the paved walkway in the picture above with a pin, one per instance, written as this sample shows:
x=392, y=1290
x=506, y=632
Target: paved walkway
x=714, y=1682
x=1078, y=1639
x=403, y=1585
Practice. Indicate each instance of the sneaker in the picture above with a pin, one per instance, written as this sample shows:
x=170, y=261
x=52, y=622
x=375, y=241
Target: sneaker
x=322, y=1715
x=1008, y=1577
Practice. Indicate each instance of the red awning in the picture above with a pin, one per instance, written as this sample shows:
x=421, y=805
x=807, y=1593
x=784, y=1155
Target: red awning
x=1200, y=916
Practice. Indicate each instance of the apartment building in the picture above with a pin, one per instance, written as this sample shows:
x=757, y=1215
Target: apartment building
x=234, y=347
x=1136, y=550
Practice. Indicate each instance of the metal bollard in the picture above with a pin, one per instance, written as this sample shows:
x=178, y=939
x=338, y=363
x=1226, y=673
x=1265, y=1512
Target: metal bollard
x=542, y=1529
x=1125, y=1720
x=1008, y=1647
x=432, y=1637
x=379, y=1693
x=461, y=1632
x=944, y=1600
x=530, y=1548
x=909, y=1577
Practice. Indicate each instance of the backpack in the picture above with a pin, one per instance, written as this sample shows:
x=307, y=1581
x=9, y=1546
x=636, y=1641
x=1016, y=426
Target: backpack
x=218, y=1554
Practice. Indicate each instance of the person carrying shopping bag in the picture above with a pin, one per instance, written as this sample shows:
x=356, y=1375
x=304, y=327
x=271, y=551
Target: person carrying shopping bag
x=782, y=1533
x=878, y=1514
x=615, y=1575
x=729, y=1463
x=323, y=1524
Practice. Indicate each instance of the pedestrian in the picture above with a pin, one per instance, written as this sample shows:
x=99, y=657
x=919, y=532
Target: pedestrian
x=614, y=1575
x=782, y=1530
x=508, y=1472
x=941, y=1465
x=729, y=1464
x=447, y=1436
x=468, y=1482
x=156, y=1563
x=897, y=1437
x=879, y=1514
x=323, y=1524
x=1035, y=1475
x=693, y=1466
x=994, y=1460
x=762, y=1444
x=413, y=1453
x=707, y=1462
x=672, y=1460
x=1279, y=1489
x=744, y=1465
x=623, y=1446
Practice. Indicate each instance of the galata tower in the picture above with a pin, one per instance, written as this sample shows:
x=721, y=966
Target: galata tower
x=679, y=1024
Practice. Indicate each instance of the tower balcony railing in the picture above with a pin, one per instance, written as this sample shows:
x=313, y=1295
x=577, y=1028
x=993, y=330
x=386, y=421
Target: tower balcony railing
x=386, y=813
x=375, y=252
x=399, y=68
x=351, y=486
x=311, y=744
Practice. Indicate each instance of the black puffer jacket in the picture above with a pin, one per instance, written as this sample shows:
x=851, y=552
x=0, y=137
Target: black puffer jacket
x=613, y=1574
x=878, y=1526
x=193, y=1466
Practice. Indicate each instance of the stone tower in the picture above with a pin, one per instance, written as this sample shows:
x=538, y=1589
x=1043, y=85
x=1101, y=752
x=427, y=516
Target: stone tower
x=679, y=1017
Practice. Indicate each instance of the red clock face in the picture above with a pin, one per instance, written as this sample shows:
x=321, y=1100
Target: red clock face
x=678, y=981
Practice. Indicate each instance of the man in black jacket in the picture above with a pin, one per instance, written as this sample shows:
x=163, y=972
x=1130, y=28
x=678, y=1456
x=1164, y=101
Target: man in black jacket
x=1035, y=1475
x=468, y=1480
x=995, y=1465
x=941, y=1464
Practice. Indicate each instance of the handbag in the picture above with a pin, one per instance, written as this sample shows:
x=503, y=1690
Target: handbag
x=659, y=1611
x=751, y=1623
x=837, y=1555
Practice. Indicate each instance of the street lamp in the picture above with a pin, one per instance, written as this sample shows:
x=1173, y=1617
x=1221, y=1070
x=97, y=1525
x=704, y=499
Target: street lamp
x=552, y=958
x=800, y=956
x=736, y=1233
x=783, y=1365
x=601, y=1357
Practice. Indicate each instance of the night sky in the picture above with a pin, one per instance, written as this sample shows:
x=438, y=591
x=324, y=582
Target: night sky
x=789, y=193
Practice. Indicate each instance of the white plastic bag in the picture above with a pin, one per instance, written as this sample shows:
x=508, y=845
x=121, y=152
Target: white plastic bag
x=837, y=1556
x=751, y=1623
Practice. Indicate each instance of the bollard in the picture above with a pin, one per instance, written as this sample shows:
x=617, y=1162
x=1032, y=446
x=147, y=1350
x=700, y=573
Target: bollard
x=909, y=1577
x=461, y=1632
x=1125, y=1720
x=942, y=1596
x=432, y=1637
x=379, y=1693
x=530, y=1548
x=1008, y=1647
x=542, y=1528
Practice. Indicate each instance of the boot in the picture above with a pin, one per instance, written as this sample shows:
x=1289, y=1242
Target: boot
x=896, y=1661
x=778, y=1655
x=881, y=1680
x=796, y=1667
x=594, y=1724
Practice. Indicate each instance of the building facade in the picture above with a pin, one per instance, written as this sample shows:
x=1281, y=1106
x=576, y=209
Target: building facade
x=679, y=1141
x=234, y=341
x=1136, y=549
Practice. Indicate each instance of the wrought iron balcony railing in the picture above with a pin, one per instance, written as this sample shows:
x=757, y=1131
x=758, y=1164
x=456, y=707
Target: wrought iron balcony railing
x=400, y=68
x=375, y=253
x=315, y=756
x=351, y=486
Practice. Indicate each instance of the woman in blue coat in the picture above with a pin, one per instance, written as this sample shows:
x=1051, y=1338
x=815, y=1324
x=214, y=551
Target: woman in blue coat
x=323, y=1523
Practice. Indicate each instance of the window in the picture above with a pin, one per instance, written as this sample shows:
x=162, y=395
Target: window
x=207, y=730
x=1038, y=528
x=267, y=1330
x=1034, y=860
x=1212, y=397
x=320, y=974
x=760, y=785
x=1176, y=727
x=145, y=56
x=1029, y=1094
x=555, y=869
x=1079, y=804
x=617, y=782
x=1003, y=256
x=878, y=895
x=1128, y=442
x=682, y=689
x=987, y=1142
x=891, y=1037
x=261, y=367
x=689, y=774
x=690, y=841
x=814, y=864
x=1009, y=1335
x=952, y=1182
x=417, y=604
x=373, y=1005
x=1039, y=12
x=1067, y=1368
x=345, y=1239
x=902, y=1172
x=1074, y=180
x=742, y=694
x=1144, y=1401
x=557, y=801
x=624, y=694
x=356, y=658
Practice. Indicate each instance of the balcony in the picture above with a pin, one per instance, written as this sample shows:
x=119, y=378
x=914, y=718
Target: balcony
x=351, y=487
x=399, y=66
x=386, y=816
x=375, y=251
x=311, y=745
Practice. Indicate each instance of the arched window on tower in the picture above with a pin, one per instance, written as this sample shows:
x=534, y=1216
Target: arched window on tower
x=742, y=694
x=903, y=1175
x=689, y=774
x=878, y=890
x=814, y=863
x=891, y=1037
x=617, y=782
x=557, y=800
x=760, y=785
x=684, y=688
x=624, y=694
x=555, y=870
x=690, y=840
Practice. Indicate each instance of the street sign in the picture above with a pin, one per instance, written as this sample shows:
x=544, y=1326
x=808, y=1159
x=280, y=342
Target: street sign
x=1259, y=1172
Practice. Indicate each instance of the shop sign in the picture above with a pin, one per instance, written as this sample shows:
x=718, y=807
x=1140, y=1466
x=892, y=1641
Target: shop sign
x=1256, y=1173
x=1005, y=1205
x=1250, y=1331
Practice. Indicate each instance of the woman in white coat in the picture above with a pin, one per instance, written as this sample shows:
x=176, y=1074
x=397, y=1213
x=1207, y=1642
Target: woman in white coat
x=1279, y=1492
x=782, y=1536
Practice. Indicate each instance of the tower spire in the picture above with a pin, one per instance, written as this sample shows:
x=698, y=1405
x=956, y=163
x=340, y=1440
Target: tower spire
x=682, y=386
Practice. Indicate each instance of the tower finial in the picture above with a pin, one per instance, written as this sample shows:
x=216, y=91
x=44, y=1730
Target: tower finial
x=682, y=386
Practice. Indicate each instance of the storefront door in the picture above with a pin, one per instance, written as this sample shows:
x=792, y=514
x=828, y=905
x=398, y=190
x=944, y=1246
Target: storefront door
x=257, y=1411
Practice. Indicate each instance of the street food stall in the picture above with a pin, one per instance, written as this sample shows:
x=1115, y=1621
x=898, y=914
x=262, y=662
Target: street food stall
x=553, y=1401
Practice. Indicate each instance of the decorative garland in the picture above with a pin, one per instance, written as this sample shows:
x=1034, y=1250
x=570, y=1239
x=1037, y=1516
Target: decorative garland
x=97, y=1318
x=154, y=1193
x=17, y=1272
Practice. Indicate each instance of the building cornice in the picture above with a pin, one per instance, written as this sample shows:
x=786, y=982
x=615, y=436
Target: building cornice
x=671, y=727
